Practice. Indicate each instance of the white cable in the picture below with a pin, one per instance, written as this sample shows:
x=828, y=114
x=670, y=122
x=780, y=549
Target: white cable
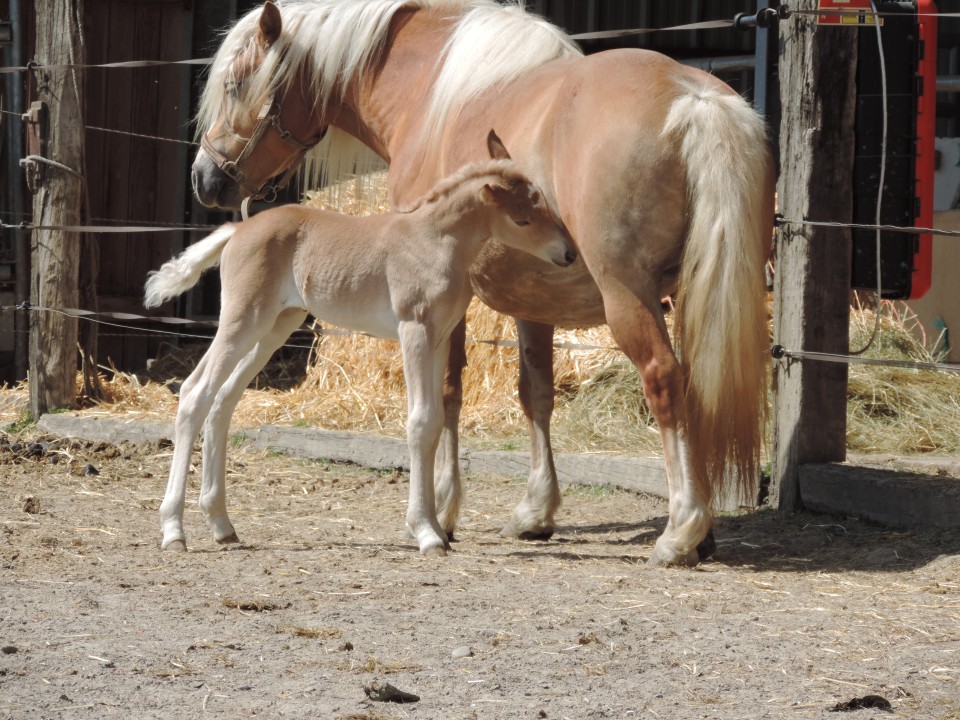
x=883, y=172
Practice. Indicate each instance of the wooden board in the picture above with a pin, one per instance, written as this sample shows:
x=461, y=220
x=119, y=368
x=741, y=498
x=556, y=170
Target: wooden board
x=896, y=498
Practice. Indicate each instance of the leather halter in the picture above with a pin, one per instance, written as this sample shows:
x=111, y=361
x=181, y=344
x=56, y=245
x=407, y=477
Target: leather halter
x=269, y=116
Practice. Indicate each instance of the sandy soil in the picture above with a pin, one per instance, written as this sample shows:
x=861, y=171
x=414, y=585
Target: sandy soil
x=326, y=596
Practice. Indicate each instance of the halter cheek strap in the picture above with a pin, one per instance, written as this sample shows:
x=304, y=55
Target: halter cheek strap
x=269, y=116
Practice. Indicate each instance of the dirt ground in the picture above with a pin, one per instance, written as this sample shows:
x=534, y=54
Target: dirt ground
x=326, y=596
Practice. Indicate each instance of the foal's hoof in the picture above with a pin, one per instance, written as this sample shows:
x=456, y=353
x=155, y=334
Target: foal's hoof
x=435, y=551
x=231, y=538
x=176, y=546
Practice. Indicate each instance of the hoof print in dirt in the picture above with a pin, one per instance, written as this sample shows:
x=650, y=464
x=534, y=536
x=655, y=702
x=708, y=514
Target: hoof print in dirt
x=873, y=702
x=385, y=692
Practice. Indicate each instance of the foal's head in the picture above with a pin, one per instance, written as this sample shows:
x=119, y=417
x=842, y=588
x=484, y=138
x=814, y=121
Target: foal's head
x=521, y=216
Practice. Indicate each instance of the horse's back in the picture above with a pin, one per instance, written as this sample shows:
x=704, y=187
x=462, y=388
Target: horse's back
x=591, y=131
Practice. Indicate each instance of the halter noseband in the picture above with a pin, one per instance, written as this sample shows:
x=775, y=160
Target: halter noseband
x=269, y=116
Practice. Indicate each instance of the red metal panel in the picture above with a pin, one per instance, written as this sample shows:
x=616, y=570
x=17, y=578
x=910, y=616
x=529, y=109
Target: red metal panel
x=926, y=139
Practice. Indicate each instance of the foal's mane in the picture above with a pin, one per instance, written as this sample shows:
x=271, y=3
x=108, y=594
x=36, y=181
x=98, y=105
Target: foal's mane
x=339, y=40
x=502, y=172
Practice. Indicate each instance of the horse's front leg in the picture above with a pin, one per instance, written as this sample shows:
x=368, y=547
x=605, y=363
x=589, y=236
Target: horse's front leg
x=449, y=488
x=423, y=367
x=533, y=518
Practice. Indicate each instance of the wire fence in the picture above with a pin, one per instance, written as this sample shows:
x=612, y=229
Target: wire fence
x=131, y=227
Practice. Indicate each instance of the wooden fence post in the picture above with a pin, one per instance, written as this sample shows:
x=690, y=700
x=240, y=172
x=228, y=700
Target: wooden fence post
x=58, y=199
x=812, y=287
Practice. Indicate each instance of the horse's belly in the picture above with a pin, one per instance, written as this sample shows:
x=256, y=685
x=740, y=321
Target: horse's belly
x=520, y=285
x=372, y=318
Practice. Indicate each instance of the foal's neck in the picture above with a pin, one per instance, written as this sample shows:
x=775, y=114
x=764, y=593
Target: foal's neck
x=460, y=217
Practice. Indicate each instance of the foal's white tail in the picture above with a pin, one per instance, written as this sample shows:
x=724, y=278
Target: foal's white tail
x=183, y=272
x=721, y=305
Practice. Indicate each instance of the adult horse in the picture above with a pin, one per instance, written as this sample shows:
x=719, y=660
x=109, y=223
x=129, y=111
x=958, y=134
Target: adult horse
x=661, y=173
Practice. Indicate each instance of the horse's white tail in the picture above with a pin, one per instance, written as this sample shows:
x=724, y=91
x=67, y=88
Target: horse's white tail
x=721, y=318
x=183, y=272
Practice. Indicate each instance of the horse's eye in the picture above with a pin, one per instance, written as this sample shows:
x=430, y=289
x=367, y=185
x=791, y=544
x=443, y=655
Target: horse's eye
x=521, y=223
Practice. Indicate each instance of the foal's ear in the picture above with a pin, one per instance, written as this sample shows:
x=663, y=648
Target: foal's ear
x=488, y=193
x=270, y=25
x=496, y=147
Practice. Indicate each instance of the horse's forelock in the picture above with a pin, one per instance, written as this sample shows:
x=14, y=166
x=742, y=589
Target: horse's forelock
x=329, y=39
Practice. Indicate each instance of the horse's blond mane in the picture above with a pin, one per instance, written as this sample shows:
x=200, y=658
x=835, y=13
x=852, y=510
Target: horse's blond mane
x=503, y=172
x=339, y=40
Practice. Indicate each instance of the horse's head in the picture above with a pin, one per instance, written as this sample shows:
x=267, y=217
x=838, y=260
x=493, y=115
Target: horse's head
x=524, y=220
x=258, y=123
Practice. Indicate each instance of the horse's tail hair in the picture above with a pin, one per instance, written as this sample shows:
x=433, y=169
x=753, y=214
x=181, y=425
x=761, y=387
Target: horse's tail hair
x=721, y=322
x=178, y=275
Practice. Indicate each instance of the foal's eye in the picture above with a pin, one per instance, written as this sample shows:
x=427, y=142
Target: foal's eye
x=521, y=223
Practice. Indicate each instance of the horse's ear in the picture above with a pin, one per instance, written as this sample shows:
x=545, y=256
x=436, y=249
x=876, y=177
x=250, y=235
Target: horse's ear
x=496, y=147
x=270, y=24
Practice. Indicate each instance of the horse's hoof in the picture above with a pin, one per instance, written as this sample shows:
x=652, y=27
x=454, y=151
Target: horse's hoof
x=450, y=538
x=707, y=546
x=231, y=538
x=434, y=551
x=539, y=533
x=176, y=546
x=656, y=559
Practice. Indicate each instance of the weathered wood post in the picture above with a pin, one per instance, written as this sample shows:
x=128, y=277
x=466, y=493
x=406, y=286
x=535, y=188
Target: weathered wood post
x=812, y=288
x=55, y=255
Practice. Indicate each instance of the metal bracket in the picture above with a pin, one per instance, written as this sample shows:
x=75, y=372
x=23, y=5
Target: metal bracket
x=765, y=18
x=35, y=123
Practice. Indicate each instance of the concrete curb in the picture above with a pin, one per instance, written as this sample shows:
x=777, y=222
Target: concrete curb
x=889, y=495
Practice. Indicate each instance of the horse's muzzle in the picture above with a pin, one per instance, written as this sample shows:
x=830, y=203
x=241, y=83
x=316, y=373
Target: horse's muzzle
x=212, y=186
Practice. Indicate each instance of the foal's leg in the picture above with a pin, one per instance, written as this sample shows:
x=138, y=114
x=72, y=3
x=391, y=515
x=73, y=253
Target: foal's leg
x=423, y=366
x=213, y=494
x=533, y=517
x=638, y=326
x=196, y=397
x=449, y=487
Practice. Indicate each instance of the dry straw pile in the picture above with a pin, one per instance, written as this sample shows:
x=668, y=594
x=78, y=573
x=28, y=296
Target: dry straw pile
x=354, y=382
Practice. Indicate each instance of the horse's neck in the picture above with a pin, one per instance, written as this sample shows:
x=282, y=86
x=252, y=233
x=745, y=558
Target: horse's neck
x=385, y=109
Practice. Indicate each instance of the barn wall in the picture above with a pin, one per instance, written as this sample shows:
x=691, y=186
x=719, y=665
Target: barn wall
x=137, y=180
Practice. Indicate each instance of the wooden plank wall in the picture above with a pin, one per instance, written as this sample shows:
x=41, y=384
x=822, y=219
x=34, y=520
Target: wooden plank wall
x=136, y=180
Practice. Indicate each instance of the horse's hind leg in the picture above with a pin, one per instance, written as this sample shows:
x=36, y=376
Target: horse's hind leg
x=533, y=518
x=447, y=482
x=640, y=331
x=196, y=398
x=213, y=496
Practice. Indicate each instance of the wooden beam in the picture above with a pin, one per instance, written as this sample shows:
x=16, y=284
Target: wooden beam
x=812, y=286
x=58, y=198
